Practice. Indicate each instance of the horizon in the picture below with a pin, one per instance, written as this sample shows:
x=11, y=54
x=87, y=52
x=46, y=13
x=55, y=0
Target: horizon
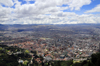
x=57, y=24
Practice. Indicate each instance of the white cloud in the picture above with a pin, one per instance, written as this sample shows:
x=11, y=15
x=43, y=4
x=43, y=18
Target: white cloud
x=47, y=6
x=96, y=9
x=5, y=14
x=77, y=4
x=7, y=2
x=37, y=13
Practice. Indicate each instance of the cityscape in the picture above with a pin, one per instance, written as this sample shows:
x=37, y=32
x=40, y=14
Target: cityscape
x=54, y=42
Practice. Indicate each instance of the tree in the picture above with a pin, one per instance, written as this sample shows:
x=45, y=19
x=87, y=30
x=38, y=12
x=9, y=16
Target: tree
x=26, y=51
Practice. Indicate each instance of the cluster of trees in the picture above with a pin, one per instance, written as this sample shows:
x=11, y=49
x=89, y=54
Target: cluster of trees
x=12, y=60
x=94, y=61
x=7, y=60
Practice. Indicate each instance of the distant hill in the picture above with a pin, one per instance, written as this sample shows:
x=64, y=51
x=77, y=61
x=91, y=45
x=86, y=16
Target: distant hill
x=3, y=27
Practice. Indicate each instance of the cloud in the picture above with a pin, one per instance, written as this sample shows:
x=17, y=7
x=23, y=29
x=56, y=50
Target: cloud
x=5, y=14
x=47, y=7
x=7, y=2
x=72, y=4
x=95, y=9
x=77, y=4
x=36, y=13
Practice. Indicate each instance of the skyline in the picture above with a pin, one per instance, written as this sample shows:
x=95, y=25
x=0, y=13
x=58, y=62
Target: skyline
x=49, y=11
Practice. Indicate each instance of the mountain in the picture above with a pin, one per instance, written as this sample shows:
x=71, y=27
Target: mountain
x=3, y=27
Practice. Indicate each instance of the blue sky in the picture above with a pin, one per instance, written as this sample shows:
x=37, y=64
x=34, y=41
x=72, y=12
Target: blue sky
x=49, y=11
x=84, y=8
x=25, y=2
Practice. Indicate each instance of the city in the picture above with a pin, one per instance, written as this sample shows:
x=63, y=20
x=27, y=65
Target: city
x=55, y=42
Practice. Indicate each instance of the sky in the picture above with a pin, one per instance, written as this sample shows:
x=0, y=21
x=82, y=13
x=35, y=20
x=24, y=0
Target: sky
x=49, y=11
